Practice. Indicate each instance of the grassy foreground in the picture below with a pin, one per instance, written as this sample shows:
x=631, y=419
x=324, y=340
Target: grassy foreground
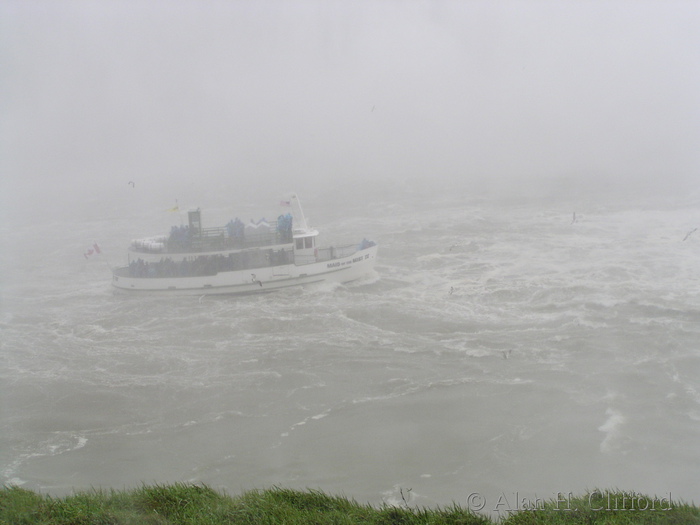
x=200, y=505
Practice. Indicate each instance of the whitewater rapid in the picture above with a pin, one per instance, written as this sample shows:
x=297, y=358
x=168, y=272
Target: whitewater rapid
x=497, y=348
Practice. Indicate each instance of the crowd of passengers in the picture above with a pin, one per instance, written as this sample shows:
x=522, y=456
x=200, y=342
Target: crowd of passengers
x=181, y=237
x=210, y=264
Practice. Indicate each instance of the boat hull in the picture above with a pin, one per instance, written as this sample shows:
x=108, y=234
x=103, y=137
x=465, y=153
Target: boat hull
x=255, y=280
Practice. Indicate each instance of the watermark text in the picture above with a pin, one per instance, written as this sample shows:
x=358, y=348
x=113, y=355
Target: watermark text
x=596, y=501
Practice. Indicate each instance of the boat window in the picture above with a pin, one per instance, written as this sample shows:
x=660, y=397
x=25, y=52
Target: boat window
x=309, y=242
x=300, y=244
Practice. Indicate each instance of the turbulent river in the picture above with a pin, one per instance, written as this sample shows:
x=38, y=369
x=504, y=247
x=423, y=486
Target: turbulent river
x=499, y=351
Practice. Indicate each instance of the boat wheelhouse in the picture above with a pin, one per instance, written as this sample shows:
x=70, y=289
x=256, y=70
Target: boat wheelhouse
x=240, y=258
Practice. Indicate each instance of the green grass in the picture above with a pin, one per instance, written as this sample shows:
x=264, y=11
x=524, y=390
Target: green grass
x=186, y=504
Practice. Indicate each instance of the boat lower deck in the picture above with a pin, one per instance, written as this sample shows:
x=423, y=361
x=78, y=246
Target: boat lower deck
x=209, y=280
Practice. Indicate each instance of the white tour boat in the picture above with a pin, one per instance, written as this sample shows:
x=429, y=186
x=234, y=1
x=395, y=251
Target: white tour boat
x=240, y=258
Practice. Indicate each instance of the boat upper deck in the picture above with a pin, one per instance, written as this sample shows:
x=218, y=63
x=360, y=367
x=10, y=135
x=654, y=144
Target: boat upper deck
x=193, y=239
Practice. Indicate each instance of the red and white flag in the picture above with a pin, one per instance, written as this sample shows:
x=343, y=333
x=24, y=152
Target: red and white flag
x=92, y=251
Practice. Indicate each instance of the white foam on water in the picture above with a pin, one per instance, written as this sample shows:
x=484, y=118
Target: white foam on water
x=612, y=428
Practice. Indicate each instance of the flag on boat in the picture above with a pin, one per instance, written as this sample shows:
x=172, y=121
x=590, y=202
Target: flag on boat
x=285, y=203
x=175, y=208
x=95, y=250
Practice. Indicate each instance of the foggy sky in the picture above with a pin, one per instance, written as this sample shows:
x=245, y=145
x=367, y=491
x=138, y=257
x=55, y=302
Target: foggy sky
x=244, y=93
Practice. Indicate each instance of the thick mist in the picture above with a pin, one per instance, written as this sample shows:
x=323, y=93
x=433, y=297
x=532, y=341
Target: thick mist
x=529, y=171
x=199, y=98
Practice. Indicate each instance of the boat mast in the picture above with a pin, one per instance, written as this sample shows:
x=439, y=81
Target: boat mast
x=298, y=213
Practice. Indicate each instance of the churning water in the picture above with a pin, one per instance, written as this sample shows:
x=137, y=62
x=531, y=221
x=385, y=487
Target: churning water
x=497, y=349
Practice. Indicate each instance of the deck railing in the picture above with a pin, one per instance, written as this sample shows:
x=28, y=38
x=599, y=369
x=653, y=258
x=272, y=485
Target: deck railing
x=201, y=265
x=326, y=254
x=336, y=252
x=216, y=239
